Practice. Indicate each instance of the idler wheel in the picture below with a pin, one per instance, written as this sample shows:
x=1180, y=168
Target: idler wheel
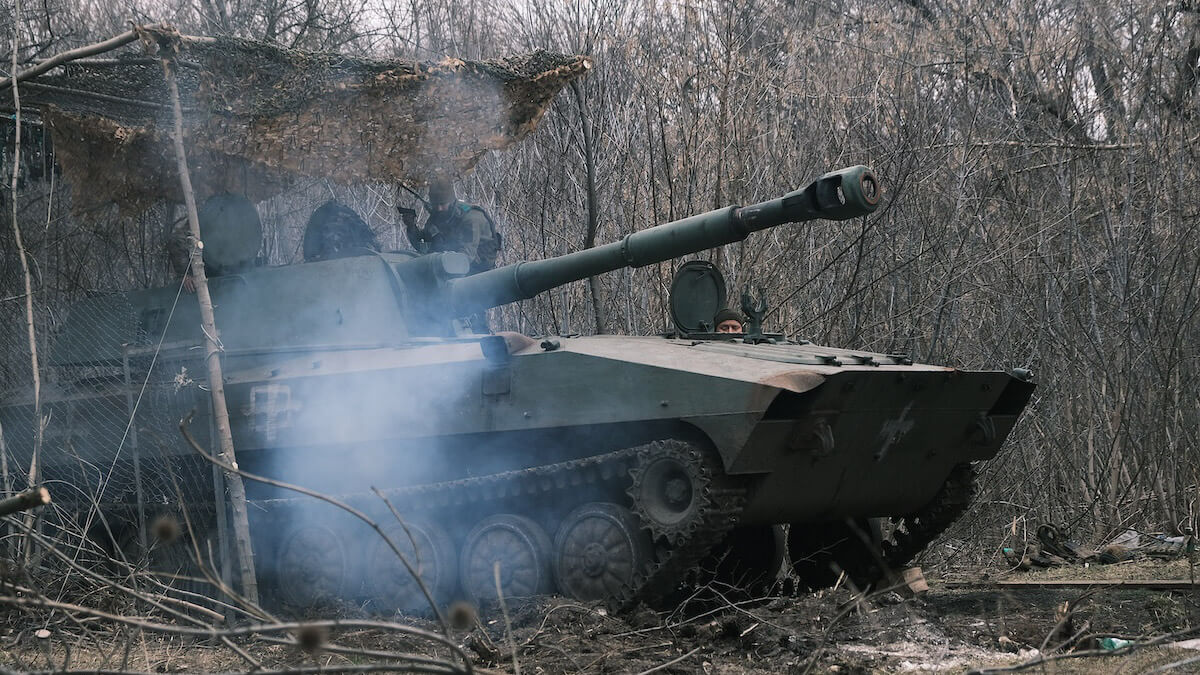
x=668, y=491
x=312, y=565
x=518, y=545
x=600, y=550
x=428, y=549
x=820, y=552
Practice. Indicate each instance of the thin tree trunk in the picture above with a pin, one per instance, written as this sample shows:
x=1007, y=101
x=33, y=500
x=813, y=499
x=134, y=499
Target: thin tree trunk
x=593, y=216
x=4, y=529
x=212, y=357
x=39, y=426
x=4, y=474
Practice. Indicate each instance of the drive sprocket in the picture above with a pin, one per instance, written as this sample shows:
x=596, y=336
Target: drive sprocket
x=670, y=489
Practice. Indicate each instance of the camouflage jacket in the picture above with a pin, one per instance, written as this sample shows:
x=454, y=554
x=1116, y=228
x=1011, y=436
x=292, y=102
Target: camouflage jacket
x=179, y=245
x=465, y=228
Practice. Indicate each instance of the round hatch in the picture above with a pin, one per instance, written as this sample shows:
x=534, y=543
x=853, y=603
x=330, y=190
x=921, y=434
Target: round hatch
x=697, y=292
x=231, y=230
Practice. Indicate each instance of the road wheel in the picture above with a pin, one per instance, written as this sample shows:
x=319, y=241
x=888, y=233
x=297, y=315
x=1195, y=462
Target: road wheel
x=312, y=564
x=428, y=549
x=599, y=551
x=518, y=545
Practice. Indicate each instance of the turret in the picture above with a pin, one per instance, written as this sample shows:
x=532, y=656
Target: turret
x=838, y=195
x=387, y=298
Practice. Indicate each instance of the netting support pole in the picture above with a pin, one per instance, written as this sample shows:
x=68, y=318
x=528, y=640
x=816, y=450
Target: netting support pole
x=212, y=346
x=133, y=448
x=223, y=537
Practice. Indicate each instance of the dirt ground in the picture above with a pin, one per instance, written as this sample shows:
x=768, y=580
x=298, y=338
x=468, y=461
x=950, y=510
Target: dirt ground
x=951, y=629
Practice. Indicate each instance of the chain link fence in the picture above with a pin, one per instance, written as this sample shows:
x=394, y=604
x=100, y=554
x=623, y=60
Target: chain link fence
x=111, y=453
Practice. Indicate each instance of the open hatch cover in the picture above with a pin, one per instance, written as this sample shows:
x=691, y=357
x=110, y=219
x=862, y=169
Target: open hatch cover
x=697, y=292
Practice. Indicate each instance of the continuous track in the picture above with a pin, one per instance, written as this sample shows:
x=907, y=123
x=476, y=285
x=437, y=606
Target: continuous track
x=717, y=507
x=719, y=504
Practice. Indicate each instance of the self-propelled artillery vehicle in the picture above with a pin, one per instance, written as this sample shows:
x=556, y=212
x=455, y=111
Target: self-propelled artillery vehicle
x=599, y=467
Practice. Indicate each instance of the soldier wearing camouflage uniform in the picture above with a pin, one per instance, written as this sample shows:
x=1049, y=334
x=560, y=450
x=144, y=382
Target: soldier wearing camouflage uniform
x=454, y=225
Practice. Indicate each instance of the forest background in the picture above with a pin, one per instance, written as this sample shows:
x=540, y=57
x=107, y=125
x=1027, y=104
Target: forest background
x=1039, y=160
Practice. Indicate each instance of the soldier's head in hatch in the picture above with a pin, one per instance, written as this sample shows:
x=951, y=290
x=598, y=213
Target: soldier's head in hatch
x=727, y=321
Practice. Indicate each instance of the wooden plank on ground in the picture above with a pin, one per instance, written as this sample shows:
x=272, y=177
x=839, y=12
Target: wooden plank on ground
x=1151, y=584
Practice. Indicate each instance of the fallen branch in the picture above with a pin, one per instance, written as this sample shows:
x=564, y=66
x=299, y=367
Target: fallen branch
x=29, y=499
x=1106, y=584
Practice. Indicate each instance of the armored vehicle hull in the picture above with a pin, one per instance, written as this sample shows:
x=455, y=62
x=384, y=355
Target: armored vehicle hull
x=691, y=440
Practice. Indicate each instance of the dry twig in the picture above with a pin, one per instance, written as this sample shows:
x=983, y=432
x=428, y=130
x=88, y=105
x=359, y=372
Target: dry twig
x=508, y=632
x=29, y=598
x=670, y=663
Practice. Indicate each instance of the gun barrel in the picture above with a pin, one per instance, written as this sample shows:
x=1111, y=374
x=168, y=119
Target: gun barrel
x=838, y=195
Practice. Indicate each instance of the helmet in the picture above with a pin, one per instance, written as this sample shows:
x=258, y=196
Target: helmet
x=441, y=191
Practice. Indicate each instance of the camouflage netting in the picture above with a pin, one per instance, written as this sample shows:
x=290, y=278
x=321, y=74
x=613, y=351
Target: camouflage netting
x=257, y=116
